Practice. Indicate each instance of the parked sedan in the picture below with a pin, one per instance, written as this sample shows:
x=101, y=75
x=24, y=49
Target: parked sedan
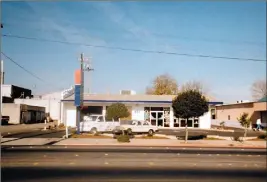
x=136, y=127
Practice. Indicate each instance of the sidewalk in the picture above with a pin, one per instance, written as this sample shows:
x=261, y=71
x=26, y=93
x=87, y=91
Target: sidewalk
x=162, y=143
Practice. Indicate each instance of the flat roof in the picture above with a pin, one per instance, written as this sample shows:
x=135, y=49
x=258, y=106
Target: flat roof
x=138, y=98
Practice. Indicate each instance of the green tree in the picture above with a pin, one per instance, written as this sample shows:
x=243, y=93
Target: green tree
x=163, y=85
x=245, y=122
x=189, y=104
x=116, y=111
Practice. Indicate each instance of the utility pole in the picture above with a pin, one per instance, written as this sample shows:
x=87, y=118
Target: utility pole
x=78, y=109
x=85, y=66
x=1, y=82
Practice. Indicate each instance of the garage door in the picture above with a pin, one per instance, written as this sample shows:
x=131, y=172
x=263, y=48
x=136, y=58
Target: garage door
x=71, y=117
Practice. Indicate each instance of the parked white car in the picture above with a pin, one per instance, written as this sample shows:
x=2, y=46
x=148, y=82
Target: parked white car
x=97, y=123
x=139, y=127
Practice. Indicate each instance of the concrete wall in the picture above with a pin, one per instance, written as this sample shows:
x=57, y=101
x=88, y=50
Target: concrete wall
x=13, y=111
x=234, y=111
x=51, y=106
x=205, y=121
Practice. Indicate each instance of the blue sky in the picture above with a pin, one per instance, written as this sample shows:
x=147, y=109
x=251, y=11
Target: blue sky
x=233, y=29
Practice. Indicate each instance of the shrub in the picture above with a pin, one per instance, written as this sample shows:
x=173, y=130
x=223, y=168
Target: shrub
x=123, y=138
x=263, y=136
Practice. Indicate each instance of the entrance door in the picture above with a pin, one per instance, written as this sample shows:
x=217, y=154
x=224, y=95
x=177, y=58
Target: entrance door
x=157, y=118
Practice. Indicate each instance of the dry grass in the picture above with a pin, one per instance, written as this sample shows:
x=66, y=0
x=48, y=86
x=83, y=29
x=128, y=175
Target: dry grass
x=150, y=137
x=257, y=139
x=89, y=136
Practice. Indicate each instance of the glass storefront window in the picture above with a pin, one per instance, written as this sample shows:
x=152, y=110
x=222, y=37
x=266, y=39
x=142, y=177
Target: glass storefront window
x=183, y=122
x=189, y=123
x=196, y=124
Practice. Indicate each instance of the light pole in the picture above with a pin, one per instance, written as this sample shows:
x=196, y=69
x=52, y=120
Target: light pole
x=1, y=82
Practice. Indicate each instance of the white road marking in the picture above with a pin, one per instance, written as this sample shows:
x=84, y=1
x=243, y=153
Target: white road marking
x=209, y=154
x=229, y=155
x=48, y=147
x=218, y=154
x=229, y=164
x=106, y=154
x=259, y=155
x=106, y=163
x=198, y=154
x=237, y=155
x=249, y=155
x=76, y=155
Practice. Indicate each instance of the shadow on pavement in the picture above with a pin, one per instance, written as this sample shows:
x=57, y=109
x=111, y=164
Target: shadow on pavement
x=45, y=173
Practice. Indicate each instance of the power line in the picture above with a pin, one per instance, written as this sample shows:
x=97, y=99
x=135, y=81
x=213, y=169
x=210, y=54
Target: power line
x=26, y=70
x=133, y=50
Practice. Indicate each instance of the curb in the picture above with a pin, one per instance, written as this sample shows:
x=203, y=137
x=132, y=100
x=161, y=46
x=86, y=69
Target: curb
x=176, y=146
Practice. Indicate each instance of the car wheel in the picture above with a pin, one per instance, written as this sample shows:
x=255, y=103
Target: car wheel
x=94, y=131
x=150, y=132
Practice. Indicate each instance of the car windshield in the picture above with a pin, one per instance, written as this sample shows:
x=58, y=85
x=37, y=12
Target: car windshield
x=94, y=117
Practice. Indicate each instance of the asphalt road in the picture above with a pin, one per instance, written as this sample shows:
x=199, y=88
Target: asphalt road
x=36, y=133
x=168, y=165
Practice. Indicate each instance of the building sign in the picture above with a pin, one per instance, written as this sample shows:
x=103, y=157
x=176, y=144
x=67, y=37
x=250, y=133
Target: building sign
x=68, y=92
x=78, y=93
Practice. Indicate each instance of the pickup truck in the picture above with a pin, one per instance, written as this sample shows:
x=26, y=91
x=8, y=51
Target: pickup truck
x=97, y=124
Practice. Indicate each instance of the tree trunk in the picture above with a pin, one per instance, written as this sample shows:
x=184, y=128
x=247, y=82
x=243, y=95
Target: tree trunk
x=245, y=134
x=186, y=132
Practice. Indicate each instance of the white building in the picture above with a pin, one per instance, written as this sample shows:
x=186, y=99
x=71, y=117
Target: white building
x=156, y=108
x=51, y=102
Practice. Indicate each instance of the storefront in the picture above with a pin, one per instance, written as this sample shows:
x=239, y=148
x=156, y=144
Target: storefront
x=155, y=108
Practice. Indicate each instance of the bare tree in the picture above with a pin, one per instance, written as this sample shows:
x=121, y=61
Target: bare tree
x=195, y=85
x=163, y=85
x=258, y=89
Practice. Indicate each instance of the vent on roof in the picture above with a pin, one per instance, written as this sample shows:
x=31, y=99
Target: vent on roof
x=127, y=92
x=242, y=101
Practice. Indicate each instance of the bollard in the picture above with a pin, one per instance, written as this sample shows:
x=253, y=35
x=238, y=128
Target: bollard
x=45, y=124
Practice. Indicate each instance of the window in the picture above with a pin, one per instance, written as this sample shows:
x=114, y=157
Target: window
x=229, y=117
x=183, y=123
x=196, y=124
x=146, y=123
x=190, y=123
x=100, y=119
